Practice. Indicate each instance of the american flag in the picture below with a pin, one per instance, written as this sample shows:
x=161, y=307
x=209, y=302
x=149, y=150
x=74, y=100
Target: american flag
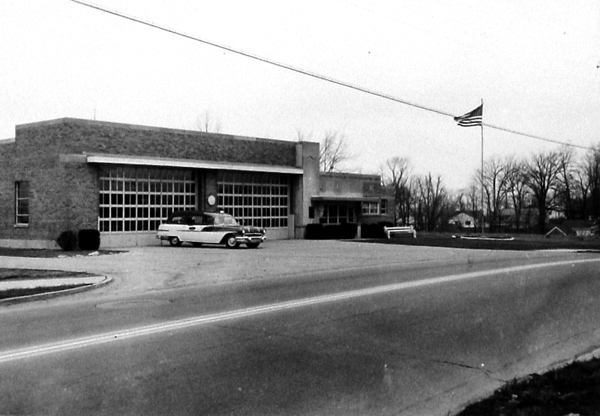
x=473, y=118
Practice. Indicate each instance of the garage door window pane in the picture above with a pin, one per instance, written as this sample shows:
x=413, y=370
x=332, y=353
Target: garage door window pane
x=142, y=196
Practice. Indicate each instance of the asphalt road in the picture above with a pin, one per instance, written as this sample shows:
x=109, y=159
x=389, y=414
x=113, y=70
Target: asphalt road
x=394, y=331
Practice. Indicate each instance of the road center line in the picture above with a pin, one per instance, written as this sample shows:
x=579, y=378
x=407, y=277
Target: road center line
x=61, y=346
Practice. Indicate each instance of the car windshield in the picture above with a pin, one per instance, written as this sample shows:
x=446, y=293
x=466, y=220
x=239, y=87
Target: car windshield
x=225, y=220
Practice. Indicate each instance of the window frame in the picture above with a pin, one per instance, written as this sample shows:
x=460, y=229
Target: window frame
x=22, y=203
x=337, y=214
x=257, y=199
x=370, y=208
x=383, y=207
x=137, y=199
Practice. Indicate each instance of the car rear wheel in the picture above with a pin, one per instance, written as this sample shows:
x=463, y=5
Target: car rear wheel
x=252, y=245
x=231, y=242
x=174, y=241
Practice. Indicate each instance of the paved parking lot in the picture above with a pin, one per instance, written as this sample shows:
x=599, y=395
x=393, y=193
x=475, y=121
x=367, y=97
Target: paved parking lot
x=140, y=269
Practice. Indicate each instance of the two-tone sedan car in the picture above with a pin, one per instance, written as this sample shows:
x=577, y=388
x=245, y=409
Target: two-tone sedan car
x=200, y=228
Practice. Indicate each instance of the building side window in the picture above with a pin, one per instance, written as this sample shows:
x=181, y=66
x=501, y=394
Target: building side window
x=22, y=203
x=370, y=208
x=383, y=208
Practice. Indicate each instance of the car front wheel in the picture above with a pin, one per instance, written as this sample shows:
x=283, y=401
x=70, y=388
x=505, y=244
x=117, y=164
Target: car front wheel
x=252, y=245
x=231, y=242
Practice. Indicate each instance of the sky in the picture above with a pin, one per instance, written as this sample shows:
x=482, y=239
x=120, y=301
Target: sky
x=535, y=64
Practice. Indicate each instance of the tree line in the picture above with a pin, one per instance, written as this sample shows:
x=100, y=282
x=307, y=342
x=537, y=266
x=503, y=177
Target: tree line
x=518, y=193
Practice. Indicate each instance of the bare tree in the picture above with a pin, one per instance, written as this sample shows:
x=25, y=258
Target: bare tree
x=542, y=178
x=461, y=199
x=473, y=196
x=495, y=177
x=208, y=124
x=395, y=174
x=582, y=184
x=333, y=151
x=428, y=202
x=417, y=205
x=517, y=189
x=453, y=202
x=591, y=165
x=405, y=197
x=468, y=200
x=565, y=186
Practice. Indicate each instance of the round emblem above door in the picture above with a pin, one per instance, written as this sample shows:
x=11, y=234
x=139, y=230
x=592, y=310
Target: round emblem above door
x=211, y=200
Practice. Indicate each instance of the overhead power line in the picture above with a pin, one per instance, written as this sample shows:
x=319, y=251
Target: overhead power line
x=308, y=73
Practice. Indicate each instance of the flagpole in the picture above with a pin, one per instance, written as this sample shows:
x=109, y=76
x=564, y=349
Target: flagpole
x=482, y=192
x=475, y=118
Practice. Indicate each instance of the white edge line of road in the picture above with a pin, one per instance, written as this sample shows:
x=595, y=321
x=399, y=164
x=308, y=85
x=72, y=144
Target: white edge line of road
x=61, y=346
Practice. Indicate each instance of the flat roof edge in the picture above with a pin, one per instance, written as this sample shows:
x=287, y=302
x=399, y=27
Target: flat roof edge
x=355, y=198
x=351, y=175
x=190, y=163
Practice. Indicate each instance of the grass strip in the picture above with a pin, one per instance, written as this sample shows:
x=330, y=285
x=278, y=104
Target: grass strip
x=572, y=389
x=518, y=243
x=15, y=293
x=28, y=274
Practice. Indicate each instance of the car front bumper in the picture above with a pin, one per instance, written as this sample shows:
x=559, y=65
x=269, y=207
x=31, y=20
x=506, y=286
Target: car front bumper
x=250, y=238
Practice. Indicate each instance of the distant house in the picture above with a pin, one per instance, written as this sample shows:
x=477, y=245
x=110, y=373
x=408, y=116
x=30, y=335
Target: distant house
x=579, y=228
x=462, y=220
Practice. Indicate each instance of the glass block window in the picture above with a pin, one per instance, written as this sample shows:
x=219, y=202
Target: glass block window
x=337, y=214
x=136, y=199
x=22, y=203
x=258, y=199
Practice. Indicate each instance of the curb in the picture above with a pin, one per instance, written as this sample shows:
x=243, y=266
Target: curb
x=55, y=293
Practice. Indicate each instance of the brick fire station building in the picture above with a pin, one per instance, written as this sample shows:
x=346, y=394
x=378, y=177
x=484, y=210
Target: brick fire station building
x=123, y=180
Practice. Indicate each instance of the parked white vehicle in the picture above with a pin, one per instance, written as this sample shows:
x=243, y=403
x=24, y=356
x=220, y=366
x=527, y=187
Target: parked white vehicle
x=200, y=228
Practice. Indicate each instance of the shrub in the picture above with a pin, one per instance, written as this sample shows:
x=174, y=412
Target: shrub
x=314, y=231
x=330, y=231
x=89, y=239
x=374, y=230
x=67, y=240
x=348, y=231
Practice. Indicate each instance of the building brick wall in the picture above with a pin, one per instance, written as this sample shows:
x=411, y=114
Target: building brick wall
x=86, y=136
x=63, y=195
x=64, y=188
x=7, y=187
